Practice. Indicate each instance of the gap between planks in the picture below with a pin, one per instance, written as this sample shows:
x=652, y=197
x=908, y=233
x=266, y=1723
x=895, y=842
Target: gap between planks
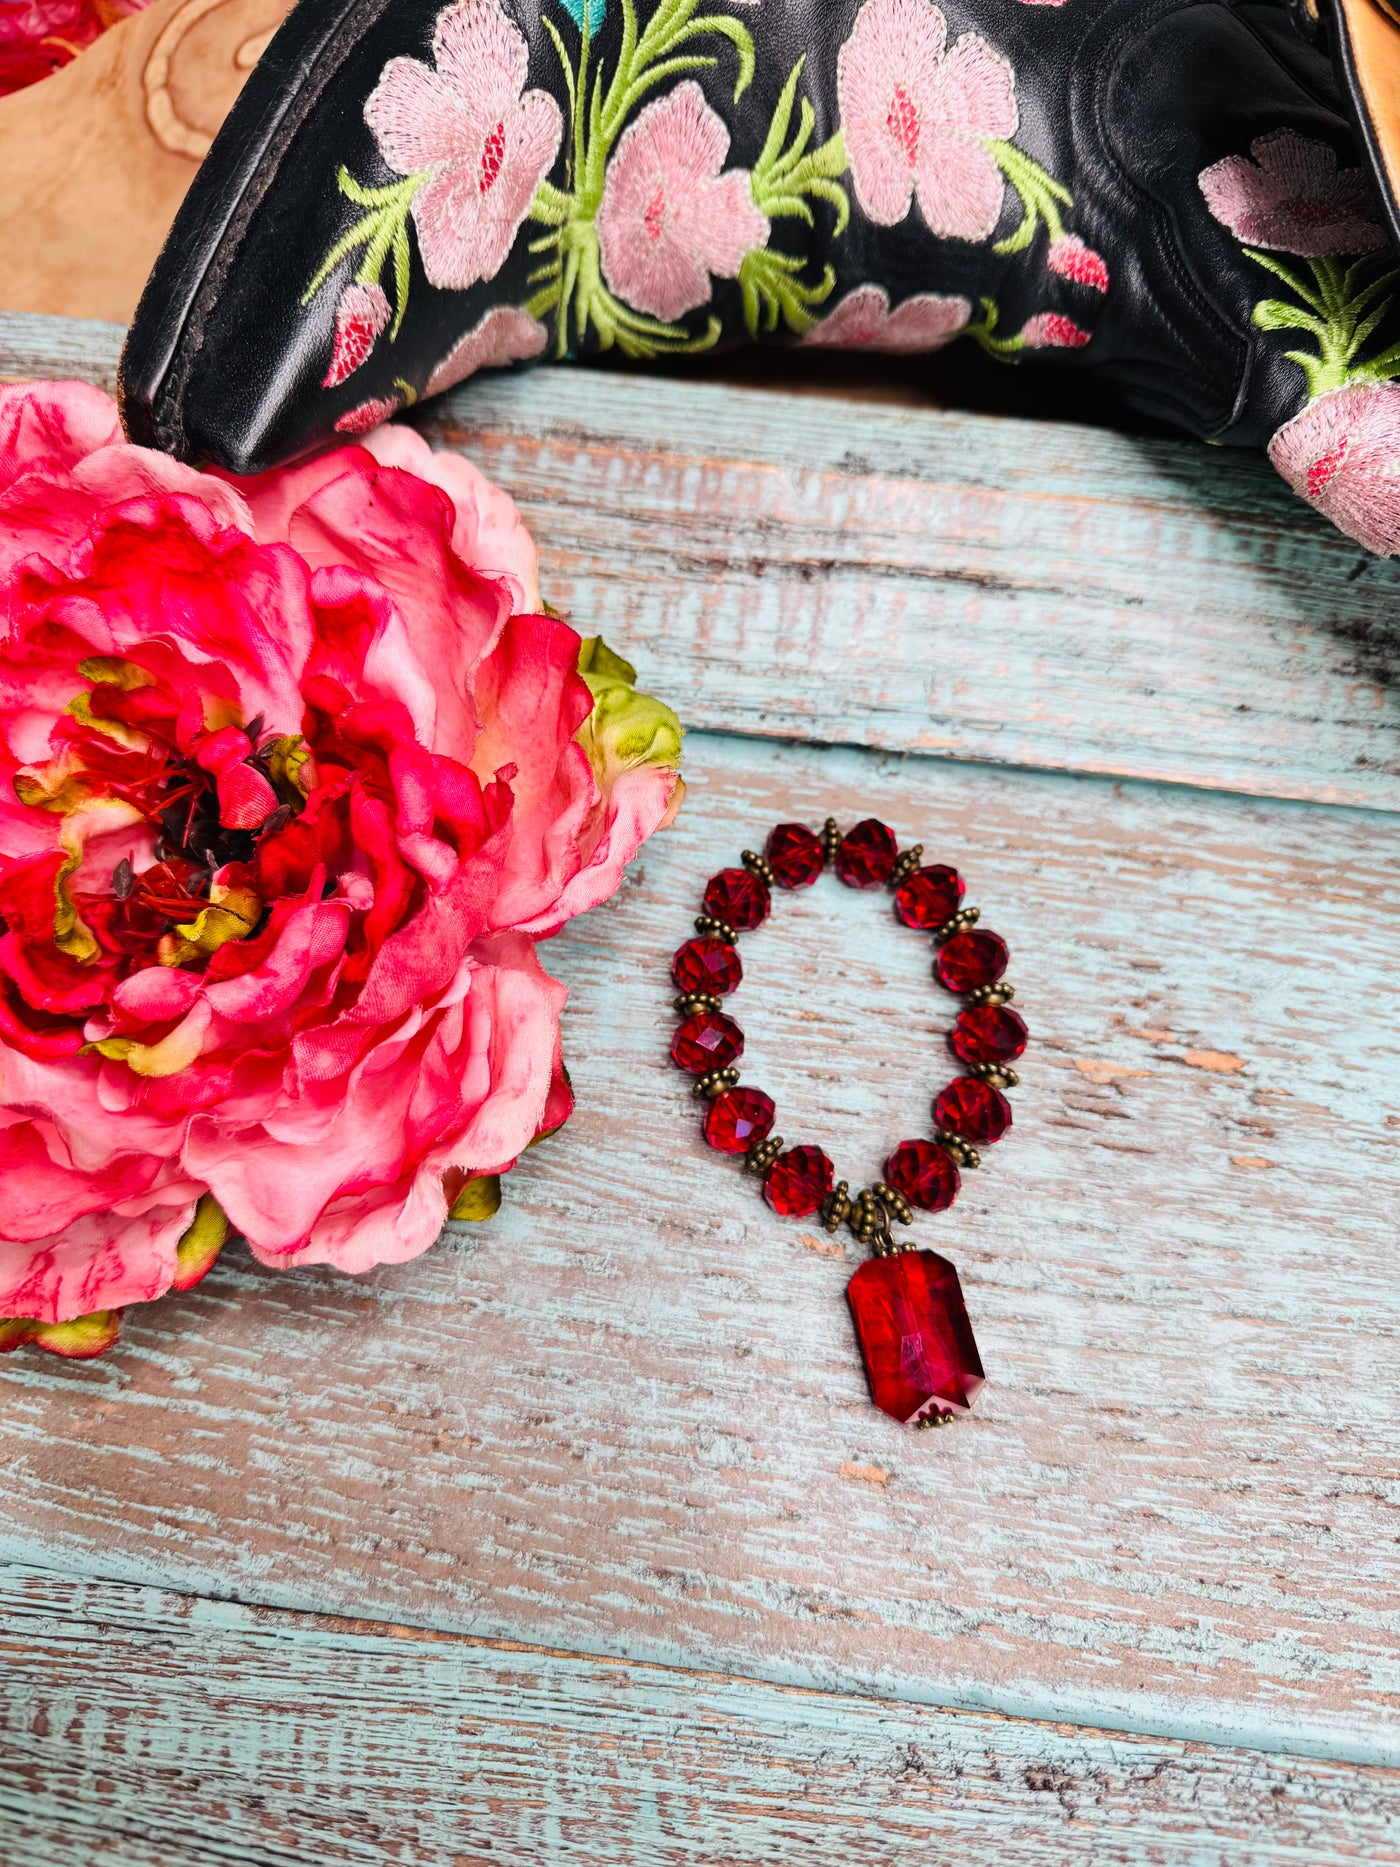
x=969, y=587
x=633, y=1423
x=137, y=1717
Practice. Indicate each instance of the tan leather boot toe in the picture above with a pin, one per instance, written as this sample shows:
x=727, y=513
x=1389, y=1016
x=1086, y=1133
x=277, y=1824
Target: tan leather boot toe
x=97, y=158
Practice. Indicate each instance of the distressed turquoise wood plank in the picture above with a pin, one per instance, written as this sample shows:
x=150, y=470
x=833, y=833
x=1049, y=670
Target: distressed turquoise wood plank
x=971, y=587
x=627, y=1417
x=145, y=1728
x=57, y=347
x=1026, y=593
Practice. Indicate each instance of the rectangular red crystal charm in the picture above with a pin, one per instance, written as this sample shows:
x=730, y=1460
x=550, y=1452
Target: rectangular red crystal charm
x=914, y=1335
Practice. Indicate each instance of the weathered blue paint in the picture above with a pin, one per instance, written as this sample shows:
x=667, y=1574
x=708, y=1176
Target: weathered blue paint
x=153, y=1728
x=626, y=1417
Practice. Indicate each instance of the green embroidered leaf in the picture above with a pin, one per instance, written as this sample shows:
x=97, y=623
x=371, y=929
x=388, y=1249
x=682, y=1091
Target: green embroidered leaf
x=1309, y=296
x=1273, y=314
x=772, y=288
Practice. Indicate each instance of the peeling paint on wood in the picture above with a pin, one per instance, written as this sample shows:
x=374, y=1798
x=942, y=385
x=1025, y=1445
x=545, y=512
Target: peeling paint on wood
x=138, y=1727
x=922, y=581
x=626, y=1418
x=614, y=1419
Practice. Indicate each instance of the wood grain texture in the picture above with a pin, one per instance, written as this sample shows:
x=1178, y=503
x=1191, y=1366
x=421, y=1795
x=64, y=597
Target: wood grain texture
x=628, y=1417
x=85, y=348
x=963, y=586
x=139, y=1728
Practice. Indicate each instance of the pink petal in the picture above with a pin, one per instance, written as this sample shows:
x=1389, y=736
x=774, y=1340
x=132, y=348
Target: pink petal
x=393, y=528
x=895, y=47
x=976, y=91
x=482, y=57
x=103, y=1260
x=417, y=120
x=727, y=224
x=503, y=335
x=488, y=532
x=41, y=1191
x=1342, y=454
x=960, y=188
x=48, y=427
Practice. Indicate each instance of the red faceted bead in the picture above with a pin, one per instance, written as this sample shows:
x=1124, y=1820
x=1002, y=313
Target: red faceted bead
x=929, y=897
x=971, y=959
x=915, y=1338
x=795, y=856
x=708, y=1041
x=924, y=1173
x=988, y=1034
x=798, y=1182
x=974, y=1110
x=707, y=964
x=739, y=1117
x=739, y=897
x=867, y=855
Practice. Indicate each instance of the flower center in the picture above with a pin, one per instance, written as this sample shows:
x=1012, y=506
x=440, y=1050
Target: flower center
x=654, y=220
x=1310, y=213
x=493, y=154
x=903, y=123
x=1326, y=468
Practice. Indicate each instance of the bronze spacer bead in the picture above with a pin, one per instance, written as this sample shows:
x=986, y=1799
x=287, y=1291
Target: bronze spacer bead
x=690, y=1003
x=707, y=924
x=836, y=1206
x=830, y=839
x=714, y=1083
x=762, y=1154
x=962, y=1152
x=990, y=995
x=999, y=1075
x=757, y=865
x=894, y=1202
x=906, y=865
x=961, y=921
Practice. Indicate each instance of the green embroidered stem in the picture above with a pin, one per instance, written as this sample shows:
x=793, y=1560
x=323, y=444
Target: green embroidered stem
x=784, y=179
x=772, y=289
x=1004, y=349
x=569, y=277
x=381, y=232
x=1340, y=314
x=1041, y=195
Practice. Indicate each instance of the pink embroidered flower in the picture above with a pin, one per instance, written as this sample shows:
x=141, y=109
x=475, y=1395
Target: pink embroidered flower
x=1073, y=260
x=1342, y=454
x=484, y=142
x=669, y=218
x=1052, y=330
x=367, y=415
x=506, y=334
x=863, y=321
x=361, y=314
x=917, y=119
x=287, y=796
x=1292, y=198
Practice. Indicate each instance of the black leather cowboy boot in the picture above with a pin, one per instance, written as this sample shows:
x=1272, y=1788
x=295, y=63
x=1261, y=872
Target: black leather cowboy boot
x=1169, y=195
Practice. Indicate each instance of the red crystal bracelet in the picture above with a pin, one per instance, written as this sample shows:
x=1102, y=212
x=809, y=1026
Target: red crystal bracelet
x=911, y=1321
